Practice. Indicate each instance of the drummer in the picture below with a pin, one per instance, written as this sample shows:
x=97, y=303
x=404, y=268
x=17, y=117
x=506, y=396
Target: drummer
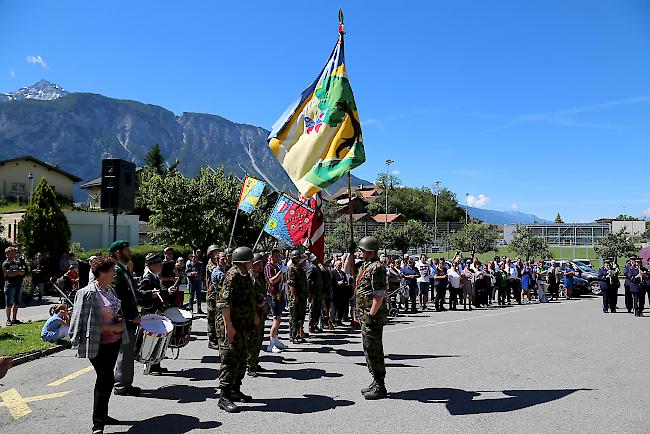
x=154, y=297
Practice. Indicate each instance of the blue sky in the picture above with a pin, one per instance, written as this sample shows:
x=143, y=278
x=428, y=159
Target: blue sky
x=541, y=106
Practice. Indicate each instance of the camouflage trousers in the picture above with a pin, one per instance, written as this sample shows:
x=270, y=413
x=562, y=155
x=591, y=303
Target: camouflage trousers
x=298, y=311
x=314, y=308
x=373, y=346
x=254, y=344
x=233, y=359
x=211, y=318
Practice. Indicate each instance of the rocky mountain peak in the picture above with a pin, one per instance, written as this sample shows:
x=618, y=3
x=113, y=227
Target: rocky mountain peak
x=42, y=90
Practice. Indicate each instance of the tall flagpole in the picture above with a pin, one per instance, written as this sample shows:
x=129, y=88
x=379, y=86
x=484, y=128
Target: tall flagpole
x=341, y=33
x=234, y=222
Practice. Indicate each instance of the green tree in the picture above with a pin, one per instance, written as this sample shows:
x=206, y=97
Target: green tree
x=419, y=204
x=338, y=239
x=526, y=243
x=627, y=217
x=44, y=227
x=155, y=161
x=616, y=245
x=475, y=238
x=412, y=234
x=197, y=211
x=558, y=218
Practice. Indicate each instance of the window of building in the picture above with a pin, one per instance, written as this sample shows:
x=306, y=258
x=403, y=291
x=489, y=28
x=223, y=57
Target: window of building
x=17, y=187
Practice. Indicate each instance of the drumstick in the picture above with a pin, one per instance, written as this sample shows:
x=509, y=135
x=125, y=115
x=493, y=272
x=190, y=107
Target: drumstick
x=161, y=300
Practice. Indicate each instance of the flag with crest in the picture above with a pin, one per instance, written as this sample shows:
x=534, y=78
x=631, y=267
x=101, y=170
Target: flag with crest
x=289, y=221
x=318, y=137
x=251, y=191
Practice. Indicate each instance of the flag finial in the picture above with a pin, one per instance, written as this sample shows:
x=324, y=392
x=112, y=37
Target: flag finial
x=341, y=26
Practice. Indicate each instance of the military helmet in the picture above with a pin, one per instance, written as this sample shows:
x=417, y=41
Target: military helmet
x=257, y=257
x=242, y=254
x=369, y=244
x=295, y=253
x=229, y=251
x=211, y=249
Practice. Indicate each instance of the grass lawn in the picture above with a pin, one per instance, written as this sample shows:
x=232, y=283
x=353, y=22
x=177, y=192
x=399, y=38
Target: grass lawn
x=12, y=207
x=558, y=253
x=22, y=339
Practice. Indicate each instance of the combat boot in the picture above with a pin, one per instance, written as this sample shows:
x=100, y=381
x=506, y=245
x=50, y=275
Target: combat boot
x=238, y=396
x=377, y=392
x=225, y=402
x=369, y=388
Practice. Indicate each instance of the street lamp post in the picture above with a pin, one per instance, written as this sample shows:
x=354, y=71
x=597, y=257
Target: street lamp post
x=388, y=163
x=30, y=186
x=435, y=213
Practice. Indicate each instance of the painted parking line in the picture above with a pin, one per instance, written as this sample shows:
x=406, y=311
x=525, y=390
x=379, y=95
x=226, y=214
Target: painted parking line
x=17, y=405
x=435, y=323
x=71, y=376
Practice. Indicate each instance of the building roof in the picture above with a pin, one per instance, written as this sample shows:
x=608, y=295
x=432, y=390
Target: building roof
x=367, y=191
x=381, y=218
x=90, y=184
x=44, y=164
x=356, y=217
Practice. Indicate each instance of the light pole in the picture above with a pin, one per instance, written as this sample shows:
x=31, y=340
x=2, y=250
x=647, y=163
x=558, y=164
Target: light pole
x=388, y=163
x=435, y=213
x=30, y=185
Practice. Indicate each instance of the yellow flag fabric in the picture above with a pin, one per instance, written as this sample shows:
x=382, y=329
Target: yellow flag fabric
x=318, y=138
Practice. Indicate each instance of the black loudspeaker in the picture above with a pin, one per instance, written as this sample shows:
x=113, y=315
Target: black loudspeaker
x=118, y=184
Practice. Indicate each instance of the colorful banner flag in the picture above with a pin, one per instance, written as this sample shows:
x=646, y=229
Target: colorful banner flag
x=251, y=191
x=289, y=221
x=315, y=240
x=318, y=138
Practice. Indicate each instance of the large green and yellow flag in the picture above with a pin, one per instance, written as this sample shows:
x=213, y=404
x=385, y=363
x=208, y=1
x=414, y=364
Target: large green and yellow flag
x=318, y=138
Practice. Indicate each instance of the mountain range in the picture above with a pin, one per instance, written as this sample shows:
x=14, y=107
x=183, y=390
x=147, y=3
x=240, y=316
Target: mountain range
x=503, y=217
x=76, y=130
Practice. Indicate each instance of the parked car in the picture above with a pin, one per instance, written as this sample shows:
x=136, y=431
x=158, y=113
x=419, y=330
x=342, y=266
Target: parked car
x=586, y=262
x=580, y=285
x=583, y=272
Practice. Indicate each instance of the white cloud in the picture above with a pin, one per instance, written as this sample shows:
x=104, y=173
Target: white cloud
x=646, y=212
x=395, y=172
x=37, y=60
x=12, y=72
x=477, y=201
x=514, y=206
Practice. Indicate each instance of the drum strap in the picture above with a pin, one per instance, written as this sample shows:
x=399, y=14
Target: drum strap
x=128, y=280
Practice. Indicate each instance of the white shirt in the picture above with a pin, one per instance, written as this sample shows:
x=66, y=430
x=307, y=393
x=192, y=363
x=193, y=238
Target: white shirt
x=454, y=278
x=425, y=271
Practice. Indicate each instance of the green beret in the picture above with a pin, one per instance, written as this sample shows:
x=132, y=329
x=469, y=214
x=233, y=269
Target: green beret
x=117, y=245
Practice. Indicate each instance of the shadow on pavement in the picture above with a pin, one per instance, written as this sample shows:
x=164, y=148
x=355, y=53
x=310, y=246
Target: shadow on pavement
x=300, y=374
x=170, y=424
x=306, y=404
x=462, y=402
x=198, y=374
x=277, y=359
x=182, y=393
x=210, y=359
x=417, y=356
x=317, y=341
x=391, y=365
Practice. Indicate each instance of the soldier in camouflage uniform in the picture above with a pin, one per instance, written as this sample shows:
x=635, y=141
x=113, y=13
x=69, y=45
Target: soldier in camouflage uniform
x=237, y=302
x=315, y=286
x=370, y=295
x=297, y=286
x=257, y=334
x=211, y=298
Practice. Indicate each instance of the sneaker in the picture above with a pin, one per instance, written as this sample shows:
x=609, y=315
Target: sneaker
x=275, y=350
x=281, y=345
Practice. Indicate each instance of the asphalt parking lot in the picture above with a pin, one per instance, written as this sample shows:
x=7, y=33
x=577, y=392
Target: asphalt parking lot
x=557, y=367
